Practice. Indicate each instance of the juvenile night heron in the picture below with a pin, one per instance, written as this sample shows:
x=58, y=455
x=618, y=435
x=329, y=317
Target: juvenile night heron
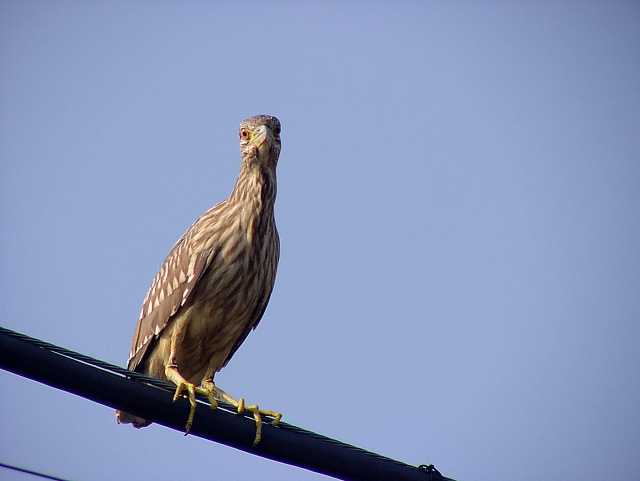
x=215, y=284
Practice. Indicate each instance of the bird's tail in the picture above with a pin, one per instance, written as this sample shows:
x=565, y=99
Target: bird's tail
x=126, y=418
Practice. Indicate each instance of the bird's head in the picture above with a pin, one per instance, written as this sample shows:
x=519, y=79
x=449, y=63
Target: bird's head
x=260, y=140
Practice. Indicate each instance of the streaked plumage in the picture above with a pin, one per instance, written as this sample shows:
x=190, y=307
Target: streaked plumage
x=214, y=286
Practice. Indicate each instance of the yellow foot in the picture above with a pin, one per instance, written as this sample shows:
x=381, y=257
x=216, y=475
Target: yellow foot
x=241, y=407
x=257, y=415
x=184, y=386
x=211, y=391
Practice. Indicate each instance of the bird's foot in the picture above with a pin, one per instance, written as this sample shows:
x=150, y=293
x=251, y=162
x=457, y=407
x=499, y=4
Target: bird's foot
x=190, y=390
x=242, y=407
x=257, y=415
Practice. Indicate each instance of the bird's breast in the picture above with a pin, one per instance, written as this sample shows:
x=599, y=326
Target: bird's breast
x=230, y=297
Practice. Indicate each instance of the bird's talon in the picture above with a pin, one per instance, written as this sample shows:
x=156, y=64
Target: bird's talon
x=213, y=404
x=276, y=419
x=258, y=419
x=183, y=385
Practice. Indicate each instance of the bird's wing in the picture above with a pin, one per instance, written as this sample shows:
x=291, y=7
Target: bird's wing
x=170, y=290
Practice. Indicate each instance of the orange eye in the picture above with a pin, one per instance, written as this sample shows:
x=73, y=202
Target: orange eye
x=244, y=133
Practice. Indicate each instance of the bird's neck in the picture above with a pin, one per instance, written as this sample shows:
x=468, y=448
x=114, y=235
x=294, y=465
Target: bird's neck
x=255, y=195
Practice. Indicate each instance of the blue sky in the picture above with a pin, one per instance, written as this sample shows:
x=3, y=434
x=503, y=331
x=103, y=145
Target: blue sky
x=458, y=199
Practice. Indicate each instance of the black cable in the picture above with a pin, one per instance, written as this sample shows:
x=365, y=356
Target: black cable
x=29, y=471
x=151, y=399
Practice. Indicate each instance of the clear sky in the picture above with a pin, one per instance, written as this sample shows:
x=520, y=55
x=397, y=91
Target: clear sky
x=458, y=207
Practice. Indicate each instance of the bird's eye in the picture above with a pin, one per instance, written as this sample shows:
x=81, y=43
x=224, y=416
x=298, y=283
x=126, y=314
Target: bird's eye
x=276, y=131
x=245, y=134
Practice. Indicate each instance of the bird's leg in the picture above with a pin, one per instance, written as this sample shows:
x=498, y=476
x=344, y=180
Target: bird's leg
x=182, y=385
x=209, y=385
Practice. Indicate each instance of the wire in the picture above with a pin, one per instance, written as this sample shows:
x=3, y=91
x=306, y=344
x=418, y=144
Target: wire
x=29, y=471
x=86, y=359
x=151, y=398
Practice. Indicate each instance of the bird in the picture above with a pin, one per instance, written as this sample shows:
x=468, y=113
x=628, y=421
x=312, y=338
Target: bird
x=214, y=286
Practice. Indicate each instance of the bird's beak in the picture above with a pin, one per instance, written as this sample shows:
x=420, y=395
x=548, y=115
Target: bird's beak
x=262, y=139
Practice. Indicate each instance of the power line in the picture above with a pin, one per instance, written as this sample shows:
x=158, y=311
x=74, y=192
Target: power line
x=29, y=471
x=151, y=399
